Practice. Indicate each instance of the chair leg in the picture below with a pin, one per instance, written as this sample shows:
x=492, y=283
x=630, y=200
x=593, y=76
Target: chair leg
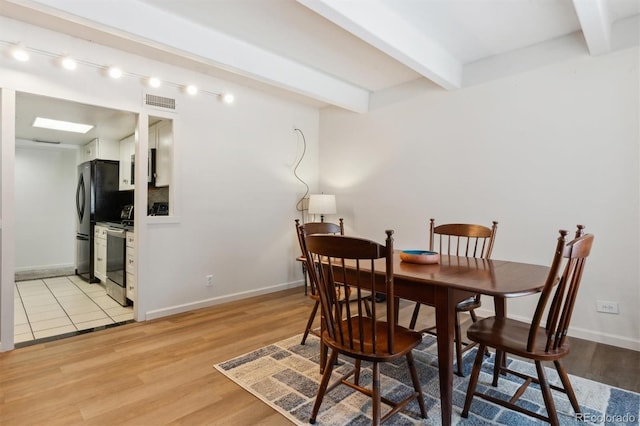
x=356, y=373
x=474, y=317
x=376, y=408
x=416, y=384
x=414, y=316
x=473, y=380
x=497, y=366
x=546, y=394
x=312, y=316
x=326, y=376
x=567, y=386
x=458, y=338
x=367, y=307
x=324, y=349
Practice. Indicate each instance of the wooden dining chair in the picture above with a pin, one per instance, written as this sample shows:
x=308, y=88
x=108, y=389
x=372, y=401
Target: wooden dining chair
x=348, y=329
x=318, y=228
x=533, y=341
x=459, y=239
x=302, y=230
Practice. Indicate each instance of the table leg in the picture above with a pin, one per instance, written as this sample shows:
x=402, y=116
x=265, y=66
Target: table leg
x=500, y=307
x=445, y=318
x=396, y=307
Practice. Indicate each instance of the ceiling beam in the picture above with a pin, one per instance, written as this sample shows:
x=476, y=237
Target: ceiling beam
x=153, y=27
x=377, y=24
x=595, y=20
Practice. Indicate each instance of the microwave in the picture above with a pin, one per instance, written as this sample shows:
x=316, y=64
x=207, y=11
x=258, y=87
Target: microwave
x=151, y=167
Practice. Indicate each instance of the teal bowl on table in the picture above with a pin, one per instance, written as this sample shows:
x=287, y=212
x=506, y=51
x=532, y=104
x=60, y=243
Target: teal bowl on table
x=424, y=257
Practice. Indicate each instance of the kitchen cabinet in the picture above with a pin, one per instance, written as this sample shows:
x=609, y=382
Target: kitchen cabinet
x=160, y=140
x=89, y=151
x=100, y=253
x=163, y=135
x=100, y=149
x=127, y=149
x=130, y=268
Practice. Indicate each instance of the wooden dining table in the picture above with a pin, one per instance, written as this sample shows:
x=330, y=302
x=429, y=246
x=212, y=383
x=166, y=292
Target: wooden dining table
x=452, y=280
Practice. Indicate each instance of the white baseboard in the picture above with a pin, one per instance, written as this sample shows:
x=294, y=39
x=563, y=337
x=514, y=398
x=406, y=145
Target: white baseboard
x=46, y=267
x=178, y=309
x=607, y=339
x=581, y=333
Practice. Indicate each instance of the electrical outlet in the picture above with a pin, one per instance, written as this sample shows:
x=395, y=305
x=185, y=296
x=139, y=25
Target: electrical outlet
x=209, y=282
x=607, y=307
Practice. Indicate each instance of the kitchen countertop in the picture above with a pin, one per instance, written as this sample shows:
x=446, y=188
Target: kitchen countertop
x=116, y=225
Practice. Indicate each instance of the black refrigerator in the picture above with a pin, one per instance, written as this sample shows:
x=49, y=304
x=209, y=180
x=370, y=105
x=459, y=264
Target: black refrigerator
x=98, y=199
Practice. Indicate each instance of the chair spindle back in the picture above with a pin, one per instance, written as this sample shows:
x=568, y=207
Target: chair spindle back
x=461, y=239
x=348, y=261
x=310, y=228
x=322, y=227
x=565, y=281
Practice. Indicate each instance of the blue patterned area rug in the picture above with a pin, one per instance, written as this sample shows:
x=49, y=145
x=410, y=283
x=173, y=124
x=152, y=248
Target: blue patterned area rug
x=285, y=375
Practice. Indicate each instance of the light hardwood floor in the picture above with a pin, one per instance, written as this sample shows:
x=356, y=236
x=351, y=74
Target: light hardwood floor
x=161, y=372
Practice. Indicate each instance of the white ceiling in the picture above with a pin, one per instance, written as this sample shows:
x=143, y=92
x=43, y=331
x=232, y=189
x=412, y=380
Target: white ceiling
x=109, y=124
x=339, y=52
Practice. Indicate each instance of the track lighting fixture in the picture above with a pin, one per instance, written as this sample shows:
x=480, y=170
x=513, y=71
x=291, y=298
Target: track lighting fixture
x=20, y=52
x=114, y=72
x=68, y=63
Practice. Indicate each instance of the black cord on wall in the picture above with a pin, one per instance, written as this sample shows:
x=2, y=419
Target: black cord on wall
x=299, y=204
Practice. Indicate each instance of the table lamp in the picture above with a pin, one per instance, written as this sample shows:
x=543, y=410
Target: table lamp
x=322, y=204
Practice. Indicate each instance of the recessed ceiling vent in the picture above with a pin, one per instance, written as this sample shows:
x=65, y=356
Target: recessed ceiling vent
x=159, y=102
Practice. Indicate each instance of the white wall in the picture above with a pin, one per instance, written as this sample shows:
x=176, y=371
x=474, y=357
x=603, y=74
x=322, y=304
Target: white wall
x=45, y=198
x=238, y=196
x=538, y=151
x=235, y=189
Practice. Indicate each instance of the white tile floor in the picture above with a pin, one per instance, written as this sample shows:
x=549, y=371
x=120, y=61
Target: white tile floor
x=55, y=306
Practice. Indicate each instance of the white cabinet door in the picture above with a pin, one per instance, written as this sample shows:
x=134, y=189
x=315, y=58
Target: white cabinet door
x=130, y=268
x=131, y=287
x=89, y=151
x=127, y=149
x=131, y=242
x=108, y=149
x=164, y=153
x=99, y=148
x=100, y=253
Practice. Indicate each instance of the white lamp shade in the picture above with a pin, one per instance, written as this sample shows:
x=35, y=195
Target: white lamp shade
x=322, y=204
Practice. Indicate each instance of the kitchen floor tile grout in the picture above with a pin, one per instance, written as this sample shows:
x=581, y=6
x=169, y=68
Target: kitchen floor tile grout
x=76, y=325
x=24, y=309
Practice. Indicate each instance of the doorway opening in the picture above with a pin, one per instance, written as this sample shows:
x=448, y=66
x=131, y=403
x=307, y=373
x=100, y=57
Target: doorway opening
x=50, y=300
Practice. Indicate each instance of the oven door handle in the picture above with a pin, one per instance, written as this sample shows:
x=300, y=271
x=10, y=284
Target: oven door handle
x=116, y=232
